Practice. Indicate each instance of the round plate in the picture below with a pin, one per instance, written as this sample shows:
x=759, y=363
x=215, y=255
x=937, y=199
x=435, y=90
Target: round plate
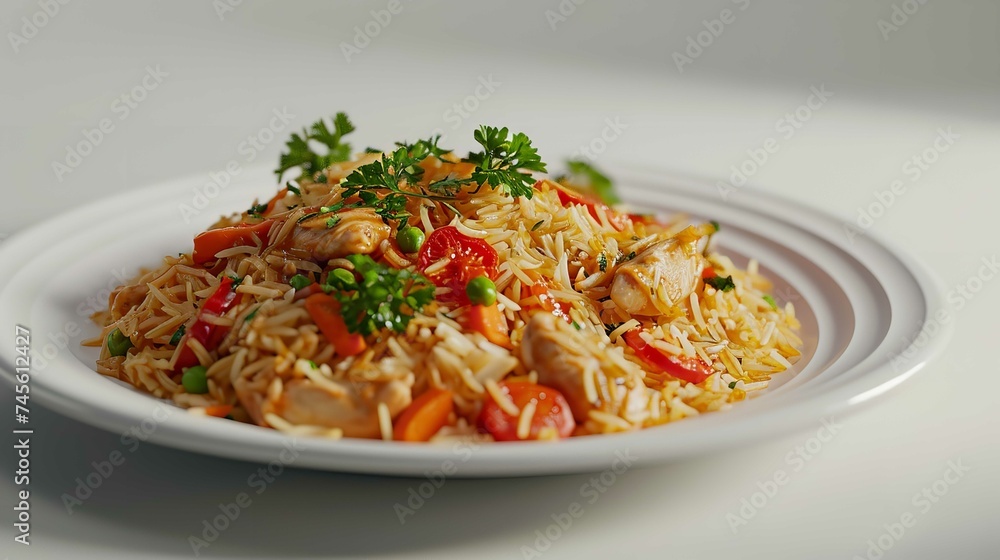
x=862, y=306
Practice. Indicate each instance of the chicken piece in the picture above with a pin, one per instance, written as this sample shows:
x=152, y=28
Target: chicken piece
x=359, y=231
x=562, y=355
x=554, y=353
x=660, y=277
x=351, y=407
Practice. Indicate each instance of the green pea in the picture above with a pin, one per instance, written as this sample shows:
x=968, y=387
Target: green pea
x=481, y=291
x=118, y=343
x=410, y=239
x=299, y=281
x=195, y=380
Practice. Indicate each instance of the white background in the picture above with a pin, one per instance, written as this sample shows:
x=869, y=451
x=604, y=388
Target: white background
x=225, y=75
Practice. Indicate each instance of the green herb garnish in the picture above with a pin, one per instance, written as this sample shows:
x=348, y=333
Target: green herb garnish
x=770, y=301
x=502, y=159
x=256, y=210
x=602, y=262
x=301, y=154
x=593, y=180
x=377, y=184
x=178, y=335
x=721, y=283
x=376, y=296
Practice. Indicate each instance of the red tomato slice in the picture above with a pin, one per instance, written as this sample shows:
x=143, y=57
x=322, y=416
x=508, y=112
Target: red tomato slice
x=551, y=409
x=692, y=370
x=469, y=257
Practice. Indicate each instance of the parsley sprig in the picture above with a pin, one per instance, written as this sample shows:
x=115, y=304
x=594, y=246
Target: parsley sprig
x=385, y=184
x=377, y=184
x=375, y=296
x=301, y=153
x=502, y=160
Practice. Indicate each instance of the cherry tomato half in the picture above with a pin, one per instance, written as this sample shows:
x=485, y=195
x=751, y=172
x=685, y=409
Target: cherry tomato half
x=468, y=258
x=551, y=409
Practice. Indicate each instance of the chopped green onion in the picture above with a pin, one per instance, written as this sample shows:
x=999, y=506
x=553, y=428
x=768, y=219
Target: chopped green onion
x=178, y=335
x=257, y=209
x=342, y=278
x=299, y=281
x=770, y=301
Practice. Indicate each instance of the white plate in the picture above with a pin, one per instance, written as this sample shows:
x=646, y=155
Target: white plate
x=860, y=302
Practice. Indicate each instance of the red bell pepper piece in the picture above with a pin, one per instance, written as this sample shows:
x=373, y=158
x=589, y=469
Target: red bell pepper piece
x=692, y=370
x=208, y=334
x=208, y=243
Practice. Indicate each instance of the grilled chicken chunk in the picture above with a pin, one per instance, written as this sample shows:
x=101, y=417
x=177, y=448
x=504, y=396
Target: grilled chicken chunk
x=562, y=356
x=660, y=277
x=351, y=407
x=358, y=231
